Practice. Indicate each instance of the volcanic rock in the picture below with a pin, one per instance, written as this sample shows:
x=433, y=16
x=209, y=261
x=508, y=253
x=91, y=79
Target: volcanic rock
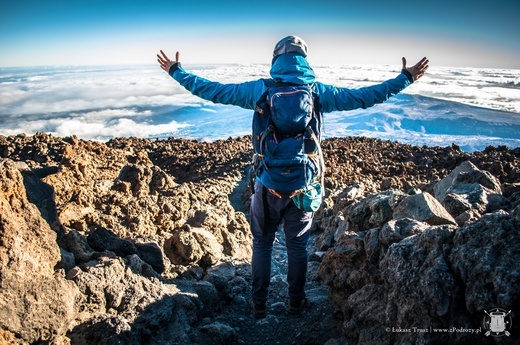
x=37, y=303
x=146, y=241
x=396, y=282
x=423, y=207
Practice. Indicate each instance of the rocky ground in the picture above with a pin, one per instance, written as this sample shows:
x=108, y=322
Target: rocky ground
x=140, y=241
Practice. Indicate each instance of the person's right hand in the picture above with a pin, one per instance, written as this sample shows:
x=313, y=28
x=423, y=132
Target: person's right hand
x=165, y=62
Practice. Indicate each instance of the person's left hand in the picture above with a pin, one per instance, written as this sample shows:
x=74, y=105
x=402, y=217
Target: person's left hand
x=165, y=62
x=418, y=69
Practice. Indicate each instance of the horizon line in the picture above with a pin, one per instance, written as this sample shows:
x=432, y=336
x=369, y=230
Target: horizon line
x=234, y=64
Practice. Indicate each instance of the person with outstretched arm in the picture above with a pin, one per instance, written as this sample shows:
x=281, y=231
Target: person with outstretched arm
x=272, y=202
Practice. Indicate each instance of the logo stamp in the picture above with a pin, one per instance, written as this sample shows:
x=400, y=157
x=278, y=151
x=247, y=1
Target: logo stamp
x=497, y=322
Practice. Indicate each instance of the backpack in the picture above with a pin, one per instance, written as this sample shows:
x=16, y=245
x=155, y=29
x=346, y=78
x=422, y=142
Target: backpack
x=287, y=127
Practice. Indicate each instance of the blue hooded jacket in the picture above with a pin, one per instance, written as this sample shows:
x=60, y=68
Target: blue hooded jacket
x=290, y=68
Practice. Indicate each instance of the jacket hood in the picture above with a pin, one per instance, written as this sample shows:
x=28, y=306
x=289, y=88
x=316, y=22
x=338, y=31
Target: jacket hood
x=292, y=68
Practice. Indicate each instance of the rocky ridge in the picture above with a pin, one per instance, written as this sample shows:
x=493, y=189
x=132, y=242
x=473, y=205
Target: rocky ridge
x=147, y=241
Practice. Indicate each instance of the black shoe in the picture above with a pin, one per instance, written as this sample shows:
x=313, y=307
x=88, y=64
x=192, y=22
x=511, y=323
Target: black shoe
x=296, y=306
x=259, y=309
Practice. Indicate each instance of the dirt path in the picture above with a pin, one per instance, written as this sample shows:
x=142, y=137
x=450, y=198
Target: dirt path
x=316, y=325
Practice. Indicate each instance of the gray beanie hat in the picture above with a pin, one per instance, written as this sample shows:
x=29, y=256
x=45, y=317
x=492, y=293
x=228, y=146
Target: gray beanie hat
x=290, y=44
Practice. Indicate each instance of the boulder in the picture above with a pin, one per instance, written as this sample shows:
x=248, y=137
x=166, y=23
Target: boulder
x=153, y=255
x=425, y=208
x=193, y=245
x=37, y=303
x=393, y=282
x=345, y=269
x=397, y=230
x=443, y=185
x=372, y=211
x=480, y=177
x=485, y=259
x=103, y=239
x=42, y=195
x=471, y=193
x=144, y=180
x=219, y=333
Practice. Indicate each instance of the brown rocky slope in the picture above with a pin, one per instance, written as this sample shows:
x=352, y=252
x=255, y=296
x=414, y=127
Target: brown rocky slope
x=142, y=241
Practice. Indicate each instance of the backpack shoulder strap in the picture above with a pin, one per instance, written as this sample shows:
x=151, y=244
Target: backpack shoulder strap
x=262, y=100
x=268, y=82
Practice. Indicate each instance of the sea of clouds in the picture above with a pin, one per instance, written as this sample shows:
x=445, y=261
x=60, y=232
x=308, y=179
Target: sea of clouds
x=472, y=108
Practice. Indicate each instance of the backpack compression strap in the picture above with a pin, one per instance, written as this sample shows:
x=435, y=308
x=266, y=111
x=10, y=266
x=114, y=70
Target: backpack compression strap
x=320, y=155
x=263, y=135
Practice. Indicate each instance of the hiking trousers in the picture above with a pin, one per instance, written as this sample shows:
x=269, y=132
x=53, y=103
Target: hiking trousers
x=267, y=213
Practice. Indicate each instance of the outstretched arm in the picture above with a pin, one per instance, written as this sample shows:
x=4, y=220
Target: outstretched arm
x=243, y=95
x=337, y=98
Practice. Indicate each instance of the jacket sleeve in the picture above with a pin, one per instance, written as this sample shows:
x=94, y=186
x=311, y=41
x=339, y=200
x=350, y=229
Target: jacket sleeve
x=334, y=98
x=244, y=95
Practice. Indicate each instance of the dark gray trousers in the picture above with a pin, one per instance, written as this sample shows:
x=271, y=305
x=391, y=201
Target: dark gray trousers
x=267, y=213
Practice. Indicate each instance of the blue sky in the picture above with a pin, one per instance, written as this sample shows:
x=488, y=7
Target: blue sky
x=451, y=33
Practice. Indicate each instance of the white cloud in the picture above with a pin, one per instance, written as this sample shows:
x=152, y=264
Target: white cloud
x=104, y=102
x=84, y=89
x=118, y=128
x=95, y=129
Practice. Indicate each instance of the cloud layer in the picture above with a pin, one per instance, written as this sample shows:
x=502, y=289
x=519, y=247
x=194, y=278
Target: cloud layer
x=103, y=102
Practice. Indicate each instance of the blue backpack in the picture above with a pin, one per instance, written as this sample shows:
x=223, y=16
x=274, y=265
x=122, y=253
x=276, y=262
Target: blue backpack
x=287, y=126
